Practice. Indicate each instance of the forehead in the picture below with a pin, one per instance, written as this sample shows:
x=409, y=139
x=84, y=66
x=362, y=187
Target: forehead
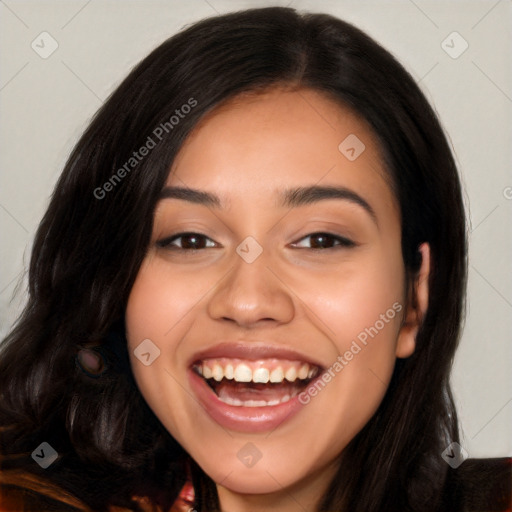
x=257, y=144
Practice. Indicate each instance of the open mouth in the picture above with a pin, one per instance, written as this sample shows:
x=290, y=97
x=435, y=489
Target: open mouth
x=246, y=383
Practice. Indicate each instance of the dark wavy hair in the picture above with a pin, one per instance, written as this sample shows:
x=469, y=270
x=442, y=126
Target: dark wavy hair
x=88, y=250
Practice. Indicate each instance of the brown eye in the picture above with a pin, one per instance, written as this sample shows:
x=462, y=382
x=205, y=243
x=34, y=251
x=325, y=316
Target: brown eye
x=324, y=241
x=187, y=241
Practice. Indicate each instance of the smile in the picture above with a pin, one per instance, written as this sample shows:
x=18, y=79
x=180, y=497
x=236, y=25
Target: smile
x=250, y=387
x=263, y=383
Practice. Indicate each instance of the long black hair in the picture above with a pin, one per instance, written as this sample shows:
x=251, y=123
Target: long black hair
x=94, y=235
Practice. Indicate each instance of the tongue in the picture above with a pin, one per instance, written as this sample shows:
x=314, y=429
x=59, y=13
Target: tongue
x=250, y=391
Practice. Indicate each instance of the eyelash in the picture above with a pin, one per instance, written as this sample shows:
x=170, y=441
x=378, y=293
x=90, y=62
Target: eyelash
x=343, y=243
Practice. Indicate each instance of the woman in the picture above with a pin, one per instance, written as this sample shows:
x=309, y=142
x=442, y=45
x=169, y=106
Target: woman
x=253, y=268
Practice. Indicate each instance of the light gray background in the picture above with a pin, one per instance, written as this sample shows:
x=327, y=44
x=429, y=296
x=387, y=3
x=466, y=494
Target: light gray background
x=46, y=103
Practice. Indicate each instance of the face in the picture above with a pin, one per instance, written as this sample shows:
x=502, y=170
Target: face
x=273, y=291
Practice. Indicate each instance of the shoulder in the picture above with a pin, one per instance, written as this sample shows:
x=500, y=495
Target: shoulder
x=24, y=492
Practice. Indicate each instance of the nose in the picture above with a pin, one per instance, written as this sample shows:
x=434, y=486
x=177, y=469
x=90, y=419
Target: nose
x=252, y=294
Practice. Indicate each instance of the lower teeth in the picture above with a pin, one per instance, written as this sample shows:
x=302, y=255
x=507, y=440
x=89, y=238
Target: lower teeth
x=240, y=394
x=253, y=403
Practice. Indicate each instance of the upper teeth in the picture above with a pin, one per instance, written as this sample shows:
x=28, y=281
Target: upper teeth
x=270, y=370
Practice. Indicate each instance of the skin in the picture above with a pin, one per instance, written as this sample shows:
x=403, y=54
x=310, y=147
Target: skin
x=312, y=300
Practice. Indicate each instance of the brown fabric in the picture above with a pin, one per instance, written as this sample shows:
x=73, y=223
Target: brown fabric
x=23, y=492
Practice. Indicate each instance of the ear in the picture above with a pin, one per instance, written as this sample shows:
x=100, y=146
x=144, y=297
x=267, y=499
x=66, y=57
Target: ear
x=417, y=306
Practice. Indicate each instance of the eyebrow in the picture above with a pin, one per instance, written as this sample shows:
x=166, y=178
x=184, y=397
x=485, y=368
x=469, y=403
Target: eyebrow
x=290, y=198
x=306, y=195
x=192, y=195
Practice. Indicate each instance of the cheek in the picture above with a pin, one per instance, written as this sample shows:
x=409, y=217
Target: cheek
x=365, y=294
x=158, y=310
x=154, y=302
x=362, y=326
x=359, y=307
x=162, y=301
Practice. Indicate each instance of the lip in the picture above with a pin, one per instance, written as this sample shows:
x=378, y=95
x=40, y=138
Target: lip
x=242, y=419
x=252, y=351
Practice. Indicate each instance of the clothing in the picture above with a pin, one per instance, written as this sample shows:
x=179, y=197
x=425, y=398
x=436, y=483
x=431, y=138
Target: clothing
x=487, y=490
x=23, y=492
